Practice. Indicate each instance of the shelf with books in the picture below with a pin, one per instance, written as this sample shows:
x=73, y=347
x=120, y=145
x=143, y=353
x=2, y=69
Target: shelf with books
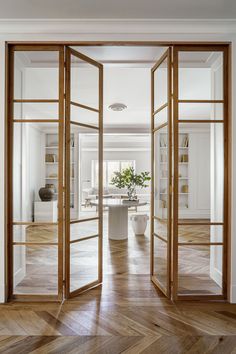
x=162, y=173
x=51, y=165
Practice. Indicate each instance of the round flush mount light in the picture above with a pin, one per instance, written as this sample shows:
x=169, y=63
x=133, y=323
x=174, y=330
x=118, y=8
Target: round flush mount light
x=117, y=107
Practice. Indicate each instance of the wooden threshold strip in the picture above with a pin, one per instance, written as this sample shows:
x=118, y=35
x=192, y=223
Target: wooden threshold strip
x=160, y=108
x=84, y=238
x=160, y=237
x=35, y=100
x=84, y=106
x=84, y=220
x=84, y=125
x=160, y=127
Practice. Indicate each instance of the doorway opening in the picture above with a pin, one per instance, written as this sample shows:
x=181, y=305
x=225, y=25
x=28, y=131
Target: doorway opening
x=79, y=114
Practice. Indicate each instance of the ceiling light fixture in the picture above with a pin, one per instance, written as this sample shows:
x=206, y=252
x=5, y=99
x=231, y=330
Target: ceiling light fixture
x=117, y=107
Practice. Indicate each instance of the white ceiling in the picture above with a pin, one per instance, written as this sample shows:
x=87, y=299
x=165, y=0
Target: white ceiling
x=110, y=9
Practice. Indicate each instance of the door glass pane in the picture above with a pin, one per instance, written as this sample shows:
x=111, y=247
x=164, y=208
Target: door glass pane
x=200, y=270
x=83, y=263
x=160, y=85
x=84, y=183
x=35, y=233
x=201, y=171
x=201, y=75
x=161, y=117
x=35, y=166
x=201, y=111
x=35, y=270
x=35, y=110
x=84, y=116
x=160, y=261
x=83, y=229
x=84, y=83
x=200, y=233
x=161, y=181
x=36, y=74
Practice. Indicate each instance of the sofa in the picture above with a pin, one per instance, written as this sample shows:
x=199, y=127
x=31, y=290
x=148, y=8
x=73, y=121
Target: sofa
x=89, y=194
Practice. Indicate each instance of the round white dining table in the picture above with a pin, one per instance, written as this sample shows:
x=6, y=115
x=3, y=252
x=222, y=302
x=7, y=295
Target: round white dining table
x=118, y=216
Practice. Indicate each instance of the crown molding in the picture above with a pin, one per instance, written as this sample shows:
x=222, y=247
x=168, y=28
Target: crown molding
x=114, y=26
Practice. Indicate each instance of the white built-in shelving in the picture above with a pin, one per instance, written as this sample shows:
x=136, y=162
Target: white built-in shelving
x=51, y=166
x=162, y=173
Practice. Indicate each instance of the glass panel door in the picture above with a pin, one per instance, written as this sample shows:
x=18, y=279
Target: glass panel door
x=161, y=173
x=35, y=172
x=83, y=128
x=201, y=176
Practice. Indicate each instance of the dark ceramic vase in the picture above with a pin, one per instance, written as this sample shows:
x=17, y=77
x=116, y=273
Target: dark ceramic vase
x=46, y=194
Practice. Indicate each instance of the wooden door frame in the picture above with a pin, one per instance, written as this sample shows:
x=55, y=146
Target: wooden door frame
x=44, y=45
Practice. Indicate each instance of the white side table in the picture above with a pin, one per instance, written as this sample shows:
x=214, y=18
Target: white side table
x=45, y=211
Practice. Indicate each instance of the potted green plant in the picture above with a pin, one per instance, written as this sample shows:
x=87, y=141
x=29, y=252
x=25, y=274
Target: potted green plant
x=127, y=178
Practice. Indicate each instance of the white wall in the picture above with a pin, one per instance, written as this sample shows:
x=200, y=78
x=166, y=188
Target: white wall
x=112, y=31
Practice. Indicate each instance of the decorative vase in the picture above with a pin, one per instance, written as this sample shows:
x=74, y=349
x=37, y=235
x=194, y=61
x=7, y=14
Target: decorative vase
x=46, y=194
x=132, y=194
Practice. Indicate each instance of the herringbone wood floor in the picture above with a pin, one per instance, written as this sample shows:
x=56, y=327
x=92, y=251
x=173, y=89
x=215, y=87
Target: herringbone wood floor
x=127, y=314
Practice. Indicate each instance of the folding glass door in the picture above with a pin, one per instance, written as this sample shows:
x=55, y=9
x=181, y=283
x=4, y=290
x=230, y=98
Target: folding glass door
x=83, y=126
x=35, y=123
x=189, y=227
x=201, y=172
x=161, y=173
x=54, y=120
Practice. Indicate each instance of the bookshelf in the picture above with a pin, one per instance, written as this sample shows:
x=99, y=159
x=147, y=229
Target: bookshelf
x=51, y=166
x=161, y=171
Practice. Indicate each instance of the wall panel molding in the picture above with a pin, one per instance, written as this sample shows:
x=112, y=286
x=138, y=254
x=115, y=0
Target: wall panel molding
x=128, y=26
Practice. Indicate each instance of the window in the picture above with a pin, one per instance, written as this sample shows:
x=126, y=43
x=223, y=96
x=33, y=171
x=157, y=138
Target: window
x=109, y=167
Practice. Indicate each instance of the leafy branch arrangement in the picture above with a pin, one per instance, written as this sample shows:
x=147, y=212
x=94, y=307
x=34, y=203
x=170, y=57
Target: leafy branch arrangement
x=127, y=178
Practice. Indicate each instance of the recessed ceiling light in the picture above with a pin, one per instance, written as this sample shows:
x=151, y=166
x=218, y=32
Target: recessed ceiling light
x=117, y=107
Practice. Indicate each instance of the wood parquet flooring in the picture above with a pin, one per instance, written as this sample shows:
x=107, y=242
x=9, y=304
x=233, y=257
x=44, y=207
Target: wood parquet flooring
x=127, y=314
